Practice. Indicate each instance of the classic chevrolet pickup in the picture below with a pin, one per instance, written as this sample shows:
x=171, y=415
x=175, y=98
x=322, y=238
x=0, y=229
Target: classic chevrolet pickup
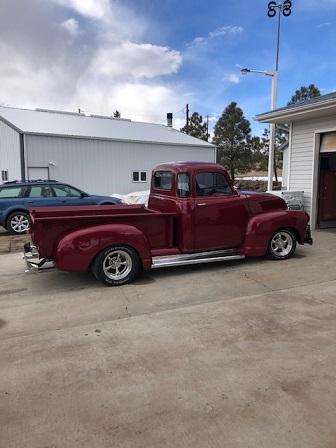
x=194, y=216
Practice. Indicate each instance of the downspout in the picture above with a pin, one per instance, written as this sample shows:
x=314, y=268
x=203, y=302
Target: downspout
x=22, y=158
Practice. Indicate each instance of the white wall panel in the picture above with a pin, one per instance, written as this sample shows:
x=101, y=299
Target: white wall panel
x=105, y=167
x=10, y=152
x=302, y=154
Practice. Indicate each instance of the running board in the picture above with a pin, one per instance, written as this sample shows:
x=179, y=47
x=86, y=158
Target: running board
x=196, y=258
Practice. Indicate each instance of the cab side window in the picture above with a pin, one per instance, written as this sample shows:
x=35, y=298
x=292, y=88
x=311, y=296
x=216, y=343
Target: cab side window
x=212, y=184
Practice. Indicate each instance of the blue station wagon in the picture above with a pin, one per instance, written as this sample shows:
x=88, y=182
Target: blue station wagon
x=17, y=197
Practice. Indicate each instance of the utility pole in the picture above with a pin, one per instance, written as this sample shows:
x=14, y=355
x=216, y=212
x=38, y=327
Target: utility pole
x=207, y=127
x=187, y=118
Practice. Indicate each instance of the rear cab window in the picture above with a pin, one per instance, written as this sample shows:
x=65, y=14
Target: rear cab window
x=12, y=192
x=163, y=180
x=212, y=184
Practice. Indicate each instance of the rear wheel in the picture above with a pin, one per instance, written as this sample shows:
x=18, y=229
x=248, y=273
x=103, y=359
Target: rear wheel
x=116, y=265
x=17, y=223
x=282, y=245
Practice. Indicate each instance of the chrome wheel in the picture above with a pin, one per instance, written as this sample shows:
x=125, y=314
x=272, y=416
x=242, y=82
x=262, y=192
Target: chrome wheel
x=117, y=264
x=282, y=244
x=19, y=223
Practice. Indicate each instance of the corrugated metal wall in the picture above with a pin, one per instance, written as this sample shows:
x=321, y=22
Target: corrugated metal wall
x=105, y=167
x=302, y=154
x=10, y=152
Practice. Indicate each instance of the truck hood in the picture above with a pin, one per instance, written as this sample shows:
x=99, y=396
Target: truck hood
x=263, y=202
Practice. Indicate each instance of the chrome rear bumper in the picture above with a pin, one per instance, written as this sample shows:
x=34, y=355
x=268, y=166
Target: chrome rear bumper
x=33, y=260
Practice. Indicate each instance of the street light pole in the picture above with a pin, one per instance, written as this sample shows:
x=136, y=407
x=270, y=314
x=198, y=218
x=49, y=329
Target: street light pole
x=284, y=9
x=271, y=151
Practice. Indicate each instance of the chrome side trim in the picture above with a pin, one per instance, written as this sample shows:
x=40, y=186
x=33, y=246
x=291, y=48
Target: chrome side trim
x=198, y=258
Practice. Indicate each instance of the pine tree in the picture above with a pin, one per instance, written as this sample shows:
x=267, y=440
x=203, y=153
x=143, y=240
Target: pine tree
x=196, y=127
x=232, y=136
x=304, y=93
x=116, y=114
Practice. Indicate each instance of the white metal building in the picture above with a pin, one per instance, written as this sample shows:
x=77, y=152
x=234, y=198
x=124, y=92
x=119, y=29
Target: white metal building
x=98, y=154
x=310, y=163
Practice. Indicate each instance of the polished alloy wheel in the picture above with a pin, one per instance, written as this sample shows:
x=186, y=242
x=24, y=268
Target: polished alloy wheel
x=19, y=223
x=117, y=264
x=281, y=244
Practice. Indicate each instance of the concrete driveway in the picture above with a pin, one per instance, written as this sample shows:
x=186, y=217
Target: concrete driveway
x=226, y=355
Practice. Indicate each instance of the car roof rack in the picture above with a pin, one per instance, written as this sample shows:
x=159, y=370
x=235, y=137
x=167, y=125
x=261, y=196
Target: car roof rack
x=29, y=181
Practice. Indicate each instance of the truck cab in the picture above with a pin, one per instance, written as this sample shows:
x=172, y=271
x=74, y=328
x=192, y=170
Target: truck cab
x=211, y=213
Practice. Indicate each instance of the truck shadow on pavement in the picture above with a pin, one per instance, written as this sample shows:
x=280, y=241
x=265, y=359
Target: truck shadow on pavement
x=57, y=281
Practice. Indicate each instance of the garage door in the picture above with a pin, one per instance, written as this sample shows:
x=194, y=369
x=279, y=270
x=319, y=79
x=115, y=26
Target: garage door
x=38, y=173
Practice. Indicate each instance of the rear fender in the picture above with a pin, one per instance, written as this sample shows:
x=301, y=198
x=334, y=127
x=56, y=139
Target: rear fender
x=76, y=250
x=261, y=227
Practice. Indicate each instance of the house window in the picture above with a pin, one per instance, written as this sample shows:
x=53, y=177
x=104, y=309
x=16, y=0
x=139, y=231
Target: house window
x=139, y=176
x=4, y=175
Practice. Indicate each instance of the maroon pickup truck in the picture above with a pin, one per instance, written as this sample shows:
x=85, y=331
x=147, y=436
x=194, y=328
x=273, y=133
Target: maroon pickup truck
x=194, y=216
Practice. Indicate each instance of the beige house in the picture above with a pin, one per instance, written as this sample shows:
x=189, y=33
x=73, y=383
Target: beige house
x=310, y=161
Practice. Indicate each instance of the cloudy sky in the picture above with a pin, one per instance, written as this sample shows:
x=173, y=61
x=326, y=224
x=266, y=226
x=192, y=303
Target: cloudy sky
x=150, y=57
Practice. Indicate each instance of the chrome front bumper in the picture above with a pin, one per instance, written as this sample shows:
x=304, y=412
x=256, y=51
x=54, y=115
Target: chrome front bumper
x=33, y=260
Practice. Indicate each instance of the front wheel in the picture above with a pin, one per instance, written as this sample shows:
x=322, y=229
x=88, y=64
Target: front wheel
x=282, y=245
x=116, y=265
x=17, y=223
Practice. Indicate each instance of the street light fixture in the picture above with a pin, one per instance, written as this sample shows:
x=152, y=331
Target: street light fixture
x=274, y=76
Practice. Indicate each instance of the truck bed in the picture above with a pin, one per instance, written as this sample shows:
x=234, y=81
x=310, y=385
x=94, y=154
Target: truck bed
x=49, y=224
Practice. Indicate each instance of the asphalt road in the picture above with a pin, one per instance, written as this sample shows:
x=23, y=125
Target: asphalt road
x=223, y=355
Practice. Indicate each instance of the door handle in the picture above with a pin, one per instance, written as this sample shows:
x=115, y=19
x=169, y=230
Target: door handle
x=201, y=205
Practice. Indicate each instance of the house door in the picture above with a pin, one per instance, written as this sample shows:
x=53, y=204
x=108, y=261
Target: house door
x=38, y=173
x=327, y=190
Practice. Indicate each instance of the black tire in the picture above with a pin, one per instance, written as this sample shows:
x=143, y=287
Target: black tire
x=282, y=244
x=17, y=223
x=106, y=269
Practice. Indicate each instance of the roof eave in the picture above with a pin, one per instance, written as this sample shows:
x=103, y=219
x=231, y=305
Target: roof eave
x=291, y=114
x=152, y=142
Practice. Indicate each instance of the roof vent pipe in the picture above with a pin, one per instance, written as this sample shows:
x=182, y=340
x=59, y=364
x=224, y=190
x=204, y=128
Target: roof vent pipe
x=170, y=120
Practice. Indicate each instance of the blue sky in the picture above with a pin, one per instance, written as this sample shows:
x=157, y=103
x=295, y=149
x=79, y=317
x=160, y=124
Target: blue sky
x=149, y=57
x=308, y=40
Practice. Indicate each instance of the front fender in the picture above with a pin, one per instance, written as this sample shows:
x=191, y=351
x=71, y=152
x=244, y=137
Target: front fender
x=261, y=227
x=76, y=250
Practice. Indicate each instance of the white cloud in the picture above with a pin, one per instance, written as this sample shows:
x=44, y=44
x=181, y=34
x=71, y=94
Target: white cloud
x=96, y=9
x=137, y=60
x=219, y=32
x=71, y=26
x=105, y=67
x=233, y=78
x=135, y=100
